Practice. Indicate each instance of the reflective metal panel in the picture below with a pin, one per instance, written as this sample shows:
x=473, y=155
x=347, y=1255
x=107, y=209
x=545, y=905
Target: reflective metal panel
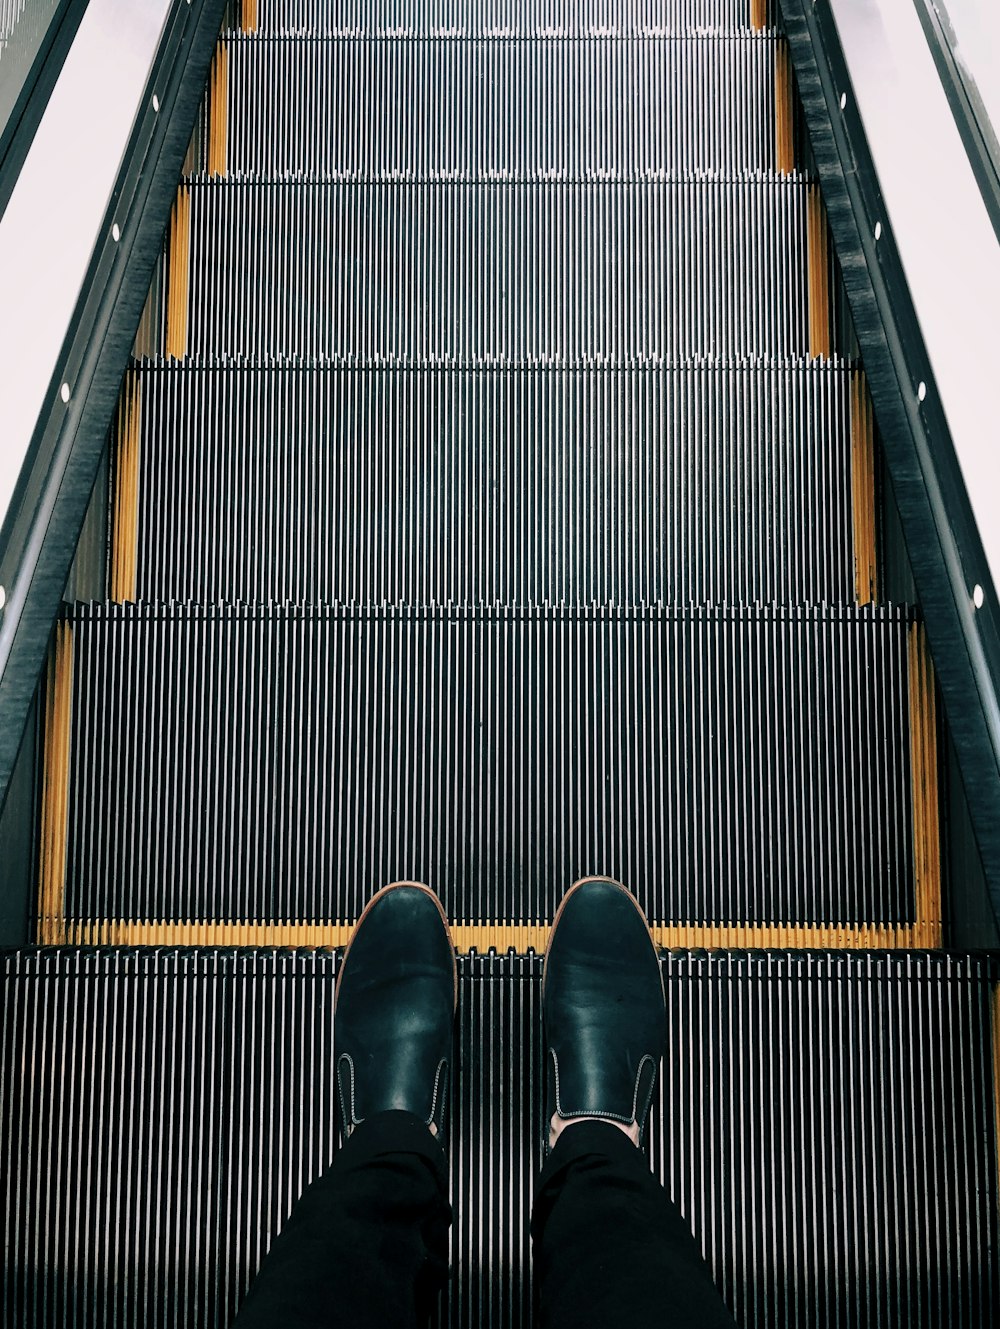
x=23, y=25
x=52, y=222
x=943, y=234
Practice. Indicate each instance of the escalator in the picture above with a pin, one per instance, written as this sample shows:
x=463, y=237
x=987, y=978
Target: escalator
x=494, y=497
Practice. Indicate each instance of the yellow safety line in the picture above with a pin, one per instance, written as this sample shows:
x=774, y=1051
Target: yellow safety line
x=758, y=14
x=818, y=274
x=924, y=783
x=782, y=936
x=863, y=489
x=784, y=111
x=55, y=790
x=218, y=111
x=178, y=275
x=125, y=513
x=248, y=15
x=520, y=937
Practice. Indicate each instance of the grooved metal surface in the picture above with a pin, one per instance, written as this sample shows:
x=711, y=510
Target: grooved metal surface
x=824, y=1123
x=479, y=107
x=742, y=766
x=712, y=483
x=496, y=18
x=567, y=272
x=522, y=531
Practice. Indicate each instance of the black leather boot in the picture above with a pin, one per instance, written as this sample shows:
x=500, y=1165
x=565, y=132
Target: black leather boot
x=395, y=1009
x=603, y=1007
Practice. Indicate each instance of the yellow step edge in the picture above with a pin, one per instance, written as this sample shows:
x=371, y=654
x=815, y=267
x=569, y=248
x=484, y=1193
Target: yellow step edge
x=818, y=274
x=54, y=828
x=520, y=937
x=178, y=276
x=863, y=490
x=125, y=509
x=145, y=343
x=784, y=110
x=218, y=111
x=924, y=776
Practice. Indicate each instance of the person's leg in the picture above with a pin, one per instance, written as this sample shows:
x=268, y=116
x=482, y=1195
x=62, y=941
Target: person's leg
x=366, y=1245
x=610, y=1248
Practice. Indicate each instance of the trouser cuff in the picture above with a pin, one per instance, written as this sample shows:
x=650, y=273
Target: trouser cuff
x=591, y=1137
x=393, y=1133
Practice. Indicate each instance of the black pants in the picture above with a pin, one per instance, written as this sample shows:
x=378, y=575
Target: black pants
x=367, y=1244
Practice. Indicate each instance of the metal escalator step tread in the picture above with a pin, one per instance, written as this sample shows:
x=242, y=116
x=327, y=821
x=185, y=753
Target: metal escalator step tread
x=824, y=1123
x=741, y=766
x=480, y=106
x=568, y=273
x=688, y=484
x=350, y=18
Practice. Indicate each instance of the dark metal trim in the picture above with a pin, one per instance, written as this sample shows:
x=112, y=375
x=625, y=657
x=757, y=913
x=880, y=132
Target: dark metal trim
x=942, y=538
x=40, y=535
x=976, y=136
x=17, y=134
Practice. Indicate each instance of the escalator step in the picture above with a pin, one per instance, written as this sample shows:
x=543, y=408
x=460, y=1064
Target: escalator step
x=825, y=1124
x=481, y=107
x=499, y=273
x=732, y=766
x=476, y=18
x=710, y=484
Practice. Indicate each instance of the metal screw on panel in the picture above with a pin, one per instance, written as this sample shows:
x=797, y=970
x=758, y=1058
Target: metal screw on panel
x=921, y=391
x=64, y=392
x=116, y=234
x=3, y=596
x=878, y=230
x=156, y=102
x=978, y=596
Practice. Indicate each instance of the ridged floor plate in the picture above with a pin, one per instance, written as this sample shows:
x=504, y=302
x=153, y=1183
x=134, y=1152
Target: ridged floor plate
x=825, y=1123
x=499, y=272
x=731, y=766
x=476, y=107
x=516, y=18
x=711, y=483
